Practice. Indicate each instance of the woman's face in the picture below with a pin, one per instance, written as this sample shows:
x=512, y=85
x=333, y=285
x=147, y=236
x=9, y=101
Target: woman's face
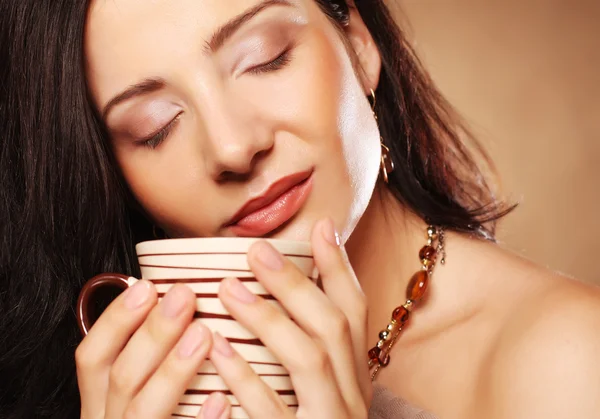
x=236, y=117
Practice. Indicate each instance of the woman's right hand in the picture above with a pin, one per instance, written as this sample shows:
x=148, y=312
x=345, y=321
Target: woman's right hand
x=139, y=356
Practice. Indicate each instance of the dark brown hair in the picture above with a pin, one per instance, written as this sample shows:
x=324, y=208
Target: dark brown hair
x=63, y=208
x=440, y=168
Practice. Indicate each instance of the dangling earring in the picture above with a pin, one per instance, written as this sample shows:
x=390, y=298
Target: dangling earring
x=387, y=164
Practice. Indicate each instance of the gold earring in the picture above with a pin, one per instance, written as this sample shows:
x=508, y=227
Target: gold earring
x=387, y=164
x=373, y=101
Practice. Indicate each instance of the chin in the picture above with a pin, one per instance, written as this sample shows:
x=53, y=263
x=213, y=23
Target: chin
x=298, y=229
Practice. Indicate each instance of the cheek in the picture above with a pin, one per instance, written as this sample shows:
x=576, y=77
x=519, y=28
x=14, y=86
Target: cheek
x=348, y=145
x=361, y=149
x=169, y=192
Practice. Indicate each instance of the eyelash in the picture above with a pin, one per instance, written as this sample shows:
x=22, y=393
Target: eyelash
x=156, y=139
x=278, y=63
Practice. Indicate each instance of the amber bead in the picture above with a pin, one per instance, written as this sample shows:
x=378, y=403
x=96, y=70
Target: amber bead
x=385, y=361
x=417, y=286
x=427, y=253
x=401, y=315
x=374, y=354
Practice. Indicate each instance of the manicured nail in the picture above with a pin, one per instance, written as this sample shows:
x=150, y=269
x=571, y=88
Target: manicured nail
x=239, y=291
x=174, y=302
x=269, y=256
x=330, y=234
x=137, y=295
x=191, y=341
x=222, y=345
x=214, y=406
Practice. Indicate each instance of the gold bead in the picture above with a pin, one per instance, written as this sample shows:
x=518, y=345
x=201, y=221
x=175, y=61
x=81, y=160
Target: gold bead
x=431, y=232
x=427, y=263
x=381, y=344
x=409, y=305
x=391, y=326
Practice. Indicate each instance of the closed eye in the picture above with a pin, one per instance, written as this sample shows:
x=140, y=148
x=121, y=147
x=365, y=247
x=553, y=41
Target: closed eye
x=278, y=63
x=156, y=139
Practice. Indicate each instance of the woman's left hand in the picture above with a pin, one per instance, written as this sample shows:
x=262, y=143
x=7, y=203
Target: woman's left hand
x=324, y=348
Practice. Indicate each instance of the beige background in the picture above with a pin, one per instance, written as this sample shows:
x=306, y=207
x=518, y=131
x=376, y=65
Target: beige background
x=526, y=74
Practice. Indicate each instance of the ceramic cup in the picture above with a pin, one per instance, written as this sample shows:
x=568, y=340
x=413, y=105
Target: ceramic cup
x=201, y=264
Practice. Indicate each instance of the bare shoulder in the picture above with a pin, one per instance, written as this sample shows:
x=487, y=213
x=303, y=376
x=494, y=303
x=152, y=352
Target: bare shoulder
x=546, y=359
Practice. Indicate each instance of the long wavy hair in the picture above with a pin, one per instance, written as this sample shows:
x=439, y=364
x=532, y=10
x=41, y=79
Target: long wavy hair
x=66, y=214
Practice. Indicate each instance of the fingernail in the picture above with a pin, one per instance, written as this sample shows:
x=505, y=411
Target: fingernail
x=239, y=291
x=222, y=345
x=191, y=341
x=173, y=303
x=137, y=295
x=269, y=257
x=330, y=234
x=214, y=406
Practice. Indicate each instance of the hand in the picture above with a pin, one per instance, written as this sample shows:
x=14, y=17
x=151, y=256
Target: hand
x=139, y=356
x=324, y=349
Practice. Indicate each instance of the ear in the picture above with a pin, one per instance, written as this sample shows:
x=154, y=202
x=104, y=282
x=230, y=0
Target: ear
x=368, y=58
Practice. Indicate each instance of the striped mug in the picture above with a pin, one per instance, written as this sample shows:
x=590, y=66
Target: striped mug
x=201, y=264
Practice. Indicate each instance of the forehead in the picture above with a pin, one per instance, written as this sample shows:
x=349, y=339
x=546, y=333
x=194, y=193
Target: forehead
x=124, y=39
x=113, y=18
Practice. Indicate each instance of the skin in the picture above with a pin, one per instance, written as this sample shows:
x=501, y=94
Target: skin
x=497, y=337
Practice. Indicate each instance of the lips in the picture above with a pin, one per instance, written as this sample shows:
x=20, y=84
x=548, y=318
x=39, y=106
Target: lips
x=277, y=205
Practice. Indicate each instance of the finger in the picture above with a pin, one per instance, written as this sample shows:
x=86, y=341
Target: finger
x=254, y=395
x=106, y=339
x=148, y=347
x=339, y=281
x=216, y=407
x=161, y=394
x=313, y=310
x=307, y=362
x=300, y=296
x=343, y=289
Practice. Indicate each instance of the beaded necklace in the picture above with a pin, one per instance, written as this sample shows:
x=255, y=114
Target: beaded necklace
x=379, y=355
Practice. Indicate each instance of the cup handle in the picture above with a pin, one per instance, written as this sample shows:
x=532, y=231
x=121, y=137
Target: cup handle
x=90, y=288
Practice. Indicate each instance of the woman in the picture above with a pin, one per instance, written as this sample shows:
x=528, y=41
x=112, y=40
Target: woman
x=126, y=117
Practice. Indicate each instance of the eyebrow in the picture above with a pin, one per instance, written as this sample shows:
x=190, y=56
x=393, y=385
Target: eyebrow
x=143, y=88
x=226, y=31
x=217, y=40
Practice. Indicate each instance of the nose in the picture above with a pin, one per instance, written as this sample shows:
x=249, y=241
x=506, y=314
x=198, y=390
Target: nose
x=237, y=137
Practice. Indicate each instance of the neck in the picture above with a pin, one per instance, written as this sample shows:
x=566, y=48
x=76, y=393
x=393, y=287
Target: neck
x=383, y=251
